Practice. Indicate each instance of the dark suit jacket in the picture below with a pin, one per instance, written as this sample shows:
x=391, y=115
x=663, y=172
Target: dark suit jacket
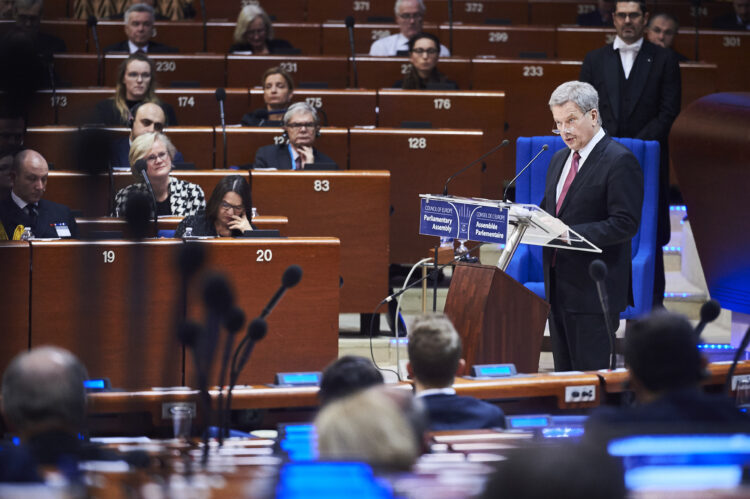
x=603, y=205
x=153, y=48
x=455, y=412
x=277, y=156
x=50, y=213
x=655, y=91
x=121, y=150
x=729, y=21
x=105, y=113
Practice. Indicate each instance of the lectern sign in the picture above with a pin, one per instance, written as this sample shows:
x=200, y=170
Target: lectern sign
x=464, y=219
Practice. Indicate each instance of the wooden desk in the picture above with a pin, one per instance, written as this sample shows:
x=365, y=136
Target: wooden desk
x=502, y=41
x=89, y=226
x=350, y=205
x=76, y=69
x=497, y=12
x=337, y=108
x=304, y=37
x=15, y=267
x=617, y=381
x=310, y=71
x=74, y=106
x=419, y=161
x=196, y=70
x=198, y=106
x=279, y=10
x=383, y=72
x=117, y=314
x=335, y=35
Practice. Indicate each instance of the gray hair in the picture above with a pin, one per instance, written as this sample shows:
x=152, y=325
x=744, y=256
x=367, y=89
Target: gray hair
x=139, y=7
x=301, y=107
x=143, y=144
x=398, y=3
x=45, y=386
x=247, y=15
x=580, y=93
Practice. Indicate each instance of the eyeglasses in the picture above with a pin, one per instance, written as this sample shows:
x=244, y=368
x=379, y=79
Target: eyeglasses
x=424, y=51
x=160, y=156
x=624, y=15
x=570, y=125
x=300, y=125
x=134, y=76
x=408, y=17
x=236, y=209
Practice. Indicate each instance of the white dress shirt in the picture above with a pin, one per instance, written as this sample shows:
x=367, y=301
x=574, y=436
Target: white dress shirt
x=628, y=53
x=584, y=153
x=390, y=45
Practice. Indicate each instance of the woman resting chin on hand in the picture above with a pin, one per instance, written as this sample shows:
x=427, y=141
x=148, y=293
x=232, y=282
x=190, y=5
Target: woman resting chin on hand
x=226, y=213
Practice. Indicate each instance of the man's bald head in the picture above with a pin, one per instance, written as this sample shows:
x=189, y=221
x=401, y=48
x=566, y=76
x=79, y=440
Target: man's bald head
x=43, y=390
x=149, y=117
x=30, y=172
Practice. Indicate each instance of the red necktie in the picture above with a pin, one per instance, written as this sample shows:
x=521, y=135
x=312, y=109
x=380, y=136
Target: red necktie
x=568, y=180
x=298, y=163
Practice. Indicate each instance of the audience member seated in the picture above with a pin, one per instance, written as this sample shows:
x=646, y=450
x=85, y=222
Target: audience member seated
x=562, y=471
x=301, y=128
x=367, y=426
x=28, y=16
x=661, y=30
x=139, y=29
x=410, y=18
x=44, y=402
x=602, y=16
x=173, y=196
x=254, y=34
x=347, y=375
x=12, y=130
x=6, y=9
x=423, y=72
x=135, y=84
x=434, y=361
x=25, y=207
x=739, y=20
x=148, y=117
x=227, y=213
x=6, y=167
x=158, y=16
x=278, y=88
x=666, y=369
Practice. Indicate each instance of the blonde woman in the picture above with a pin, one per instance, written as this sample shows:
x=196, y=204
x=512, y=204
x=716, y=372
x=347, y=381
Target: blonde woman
x=254, y=34
x=173, y=196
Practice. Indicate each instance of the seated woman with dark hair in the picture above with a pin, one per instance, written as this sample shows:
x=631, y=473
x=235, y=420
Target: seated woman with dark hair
x=136, y=83
x=254, y=34
x=227, y=214
x=424, y=52
x=278, y=88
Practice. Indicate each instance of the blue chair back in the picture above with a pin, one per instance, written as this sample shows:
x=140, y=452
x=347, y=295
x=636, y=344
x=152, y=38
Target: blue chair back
x=526, y=266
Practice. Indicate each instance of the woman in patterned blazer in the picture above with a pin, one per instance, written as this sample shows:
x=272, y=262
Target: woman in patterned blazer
x=173, y=196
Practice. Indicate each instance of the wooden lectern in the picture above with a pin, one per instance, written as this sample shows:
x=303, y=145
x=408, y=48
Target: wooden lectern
x=498, y=319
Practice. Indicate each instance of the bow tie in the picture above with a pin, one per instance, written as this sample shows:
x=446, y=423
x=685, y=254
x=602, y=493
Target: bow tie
x=629, y=48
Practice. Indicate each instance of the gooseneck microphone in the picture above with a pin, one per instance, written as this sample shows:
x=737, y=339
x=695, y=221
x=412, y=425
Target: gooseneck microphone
x=598, y=272
x=233, y=322
x=91, y=22
x=221, y=96
x=505, y=192
x=459, y=172
x=141, y=166
x=709, y=312
x=291, y=277
x=350, y=29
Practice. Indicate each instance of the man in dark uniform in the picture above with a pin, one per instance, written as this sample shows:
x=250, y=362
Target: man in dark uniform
x=639, y=89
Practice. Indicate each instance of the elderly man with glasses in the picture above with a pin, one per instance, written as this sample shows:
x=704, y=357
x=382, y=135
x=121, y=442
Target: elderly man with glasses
x=410, y=18
x=595, y=186
x=639, y=89
x=301, y=129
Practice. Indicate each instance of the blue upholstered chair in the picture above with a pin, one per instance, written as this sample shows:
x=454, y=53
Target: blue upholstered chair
x=526, y=265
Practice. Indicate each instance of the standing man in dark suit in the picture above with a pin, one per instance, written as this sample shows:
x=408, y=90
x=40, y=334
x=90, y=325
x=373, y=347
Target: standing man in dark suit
x=139, y=28
x=595, y=187
x=738, y=20
x=434, y=361
x=25, y=205
x=301, y=128
x=639, y=96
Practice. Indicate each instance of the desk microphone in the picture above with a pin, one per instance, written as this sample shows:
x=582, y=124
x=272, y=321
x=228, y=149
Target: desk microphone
x=709, y=312
x=142, y=167
x=740, y=350
x=459, y=172
x=505, y=192
x=292, y=276
x=91, y=22
x=350, y=29
x=221, y=96
x=598, y=272
x=233, y=322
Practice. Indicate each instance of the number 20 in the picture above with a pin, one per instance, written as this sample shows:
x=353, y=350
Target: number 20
x=264, y=255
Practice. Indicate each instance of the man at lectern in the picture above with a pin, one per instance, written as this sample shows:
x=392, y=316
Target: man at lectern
x=595, y=187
